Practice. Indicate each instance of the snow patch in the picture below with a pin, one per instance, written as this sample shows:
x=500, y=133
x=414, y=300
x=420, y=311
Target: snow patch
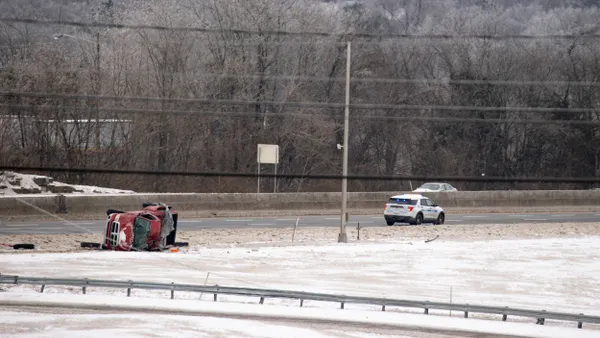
x=12, y=184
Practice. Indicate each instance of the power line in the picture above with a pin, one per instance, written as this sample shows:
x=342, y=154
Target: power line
x=309, y=115
x=306, y=104
x=401, y=80
x=268, y=44
x=308, y=176
x=304, y=33
x=265, y=77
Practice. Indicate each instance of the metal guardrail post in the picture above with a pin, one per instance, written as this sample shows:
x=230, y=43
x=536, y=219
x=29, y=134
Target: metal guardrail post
x=172, y=290
x=262, y=300
x=342, y=305
x=427, y=308
x=580, y=324
x=215, y=297
x=382, y=307
x=43, y=287
x=129, y=289
x=541, y=320
x=301, y=302
x=84, y=288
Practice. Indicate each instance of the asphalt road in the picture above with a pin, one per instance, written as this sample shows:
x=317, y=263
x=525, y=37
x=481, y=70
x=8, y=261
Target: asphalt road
x=93, y=226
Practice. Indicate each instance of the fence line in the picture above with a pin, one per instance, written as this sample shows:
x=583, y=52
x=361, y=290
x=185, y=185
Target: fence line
x=302, y=296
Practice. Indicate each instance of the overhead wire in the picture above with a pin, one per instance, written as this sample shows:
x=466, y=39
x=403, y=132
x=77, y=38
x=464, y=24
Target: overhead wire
x=307, y=115
x=306, y=104
x=301, y=33
x=384, y=80
x=504, y=179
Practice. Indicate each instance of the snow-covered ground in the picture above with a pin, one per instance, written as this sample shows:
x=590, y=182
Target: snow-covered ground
x=555, y=274
x=12, y=183
x=207, y=319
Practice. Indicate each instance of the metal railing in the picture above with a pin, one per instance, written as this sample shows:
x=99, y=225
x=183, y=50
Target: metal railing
x=540, y=316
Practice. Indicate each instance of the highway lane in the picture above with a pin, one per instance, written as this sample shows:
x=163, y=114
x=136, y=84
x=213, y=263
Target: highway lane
x=97, y=226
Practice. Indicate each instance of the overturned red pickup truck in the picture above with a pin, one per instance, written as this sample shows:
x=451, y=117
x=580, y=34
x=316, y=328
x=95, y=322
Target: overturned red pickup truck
x=153, y=228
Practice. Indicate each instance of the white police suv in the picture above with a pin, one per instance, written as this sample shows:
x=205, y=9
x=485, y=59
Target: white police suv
x=413, y=209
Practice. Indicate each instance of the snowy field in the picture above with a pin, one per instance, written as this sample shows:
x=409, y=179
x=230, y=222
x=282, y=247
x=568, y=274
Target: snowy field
x=555, y=274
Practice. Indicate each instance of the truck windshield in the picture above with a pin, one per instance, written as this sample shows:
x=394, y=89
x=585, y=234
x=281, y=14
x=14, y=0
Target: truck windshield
x=141, y=230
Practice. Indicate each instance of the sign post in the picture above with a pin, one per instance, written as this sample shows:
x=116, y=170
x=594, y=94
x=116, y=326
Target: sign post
x=267, y=153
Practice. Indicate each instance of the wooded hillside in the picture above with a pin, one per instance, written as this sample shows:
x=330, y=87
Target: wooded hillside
x=433, y=91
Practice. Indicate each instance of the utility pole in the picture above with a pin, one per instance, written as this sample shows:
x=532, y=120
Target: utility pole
x=343, y=237
x=98, y=91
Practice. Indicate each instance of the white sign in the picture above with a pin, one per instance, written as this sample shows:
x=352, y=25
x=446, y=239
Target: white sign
x=267, y=153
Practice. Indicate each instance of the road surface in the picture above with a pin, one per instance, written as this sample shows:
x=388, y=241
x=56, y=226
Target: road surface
x=95, y=226
x=58, y=321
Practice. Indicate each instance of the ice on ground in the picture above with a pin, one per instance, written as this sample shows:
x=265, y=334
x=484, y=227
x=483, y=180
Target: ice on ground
x=242, y=320
x=143, y=325
x=12, y=184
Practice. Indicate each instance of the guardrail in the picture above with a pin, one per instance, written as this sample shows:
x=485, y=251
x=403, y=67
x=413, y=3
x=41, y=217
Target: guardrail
x=540, y=316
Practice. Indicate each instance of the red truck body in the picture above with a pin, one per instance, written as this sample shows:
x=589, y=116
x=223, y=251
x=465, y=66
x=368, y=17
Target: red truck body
x=140, y=230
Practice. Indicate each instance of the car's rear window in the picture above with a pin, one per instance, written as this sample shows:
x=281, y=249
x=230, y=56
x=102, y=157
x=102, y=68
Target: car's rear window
x=402, y=201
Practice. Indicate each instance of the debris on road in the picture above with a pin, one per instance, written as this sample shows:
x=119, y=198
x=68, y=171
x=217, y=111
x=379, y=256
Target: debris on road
x=24, y=246
x=433, y=239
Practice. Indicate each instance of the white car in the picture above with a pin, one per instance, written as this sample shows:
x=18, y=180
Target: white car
x=414, y=209
x=435, y=187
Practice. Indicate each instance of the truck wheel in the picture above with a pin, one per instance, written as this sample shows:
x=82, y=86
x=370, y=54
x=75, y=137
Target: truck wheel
x=390, y=223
